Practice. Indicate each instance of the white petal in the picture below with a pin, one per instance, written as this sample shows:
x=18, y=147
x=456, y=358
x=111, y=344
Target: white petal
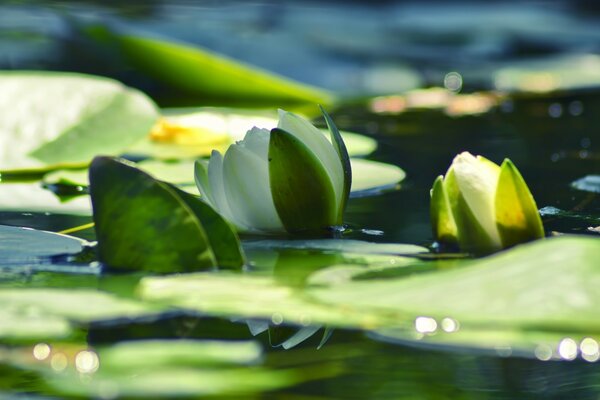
x=257, y=141
x=477, y=179
x=215, y=181
x=248, y=190
x=315, y=140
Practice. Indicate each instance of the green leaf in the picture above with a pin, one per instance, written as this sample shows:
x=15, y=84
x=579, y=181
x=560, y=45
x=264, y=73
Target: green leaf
x=138, y=355
x=442, y=221
x=255, y=297
x=548, y=284
x=94, y=115
x=302, y=191
x=223, y=239
x=340, y=149
x=517, y=216
x=205, y=74
x=373, y=177
x=142, y=224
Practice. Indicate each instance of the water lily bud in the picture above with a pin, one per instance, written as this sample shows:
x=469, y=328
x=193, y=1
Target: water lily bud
x=291, y=178
x=481, y=207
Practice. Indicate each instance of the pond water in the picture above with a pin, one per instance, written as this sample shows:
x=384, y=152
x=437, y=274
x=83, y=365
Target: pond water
x=551, y=135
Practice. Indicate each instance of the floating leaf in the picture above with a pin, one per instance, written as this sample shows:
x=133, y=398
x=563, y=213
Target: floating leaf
x=549, y=283
x=372, y=177
x=32, y=197
x=25, y=247
x=589, y=183
x=143, y=224
x=255, y=297
x=94, y=115
x=338, y=245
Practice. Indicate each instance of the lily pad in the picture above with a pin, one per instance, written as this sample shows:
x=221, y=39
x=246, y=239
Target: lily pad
x=32, y=197
x=589, y=183
x=338, y=245
x=372, y=177
x=256, y=297
x=368, y=177
x=94, y=115
x=25, y=246
x=144, y=224
x=548, y=284
x=150, y=368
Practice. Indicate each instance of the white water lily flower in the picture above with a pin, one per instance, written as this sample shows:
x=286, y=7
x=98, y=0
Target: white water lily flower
x=482, y=207
x=291, y=178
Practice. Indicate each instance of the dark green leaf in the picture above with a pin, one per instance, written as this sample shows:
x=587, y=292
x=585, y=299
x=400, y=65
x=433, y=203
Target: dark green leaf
x=141, y=223
x=340, y=149
x=302, y=191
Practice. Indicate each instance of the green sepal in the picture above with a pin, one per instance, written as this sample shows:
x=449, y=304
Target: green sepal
x=517, y=216
x=342, y=152
x=442, y=221
x=472, y=237
x=142, y=224
x=302, y=191
x=222, y=236
x=201, y=179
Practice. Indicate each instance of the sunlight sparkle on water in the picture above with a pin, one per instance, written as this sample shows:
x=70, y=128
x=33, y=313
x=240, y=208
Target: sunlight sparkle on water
x=277, y=318
x=590, y=350
x=449, y=325
x=425, y=325
x=567, y=349
x=543, y=352
x=87, y=362
x=59, y=362
x=41, y=351
x=453, y=81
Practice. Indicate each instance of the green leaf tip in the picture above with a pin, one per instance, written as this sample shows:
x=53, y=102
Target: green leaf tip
x=517, y=216
x=302, y=191
x=145, y=224
x=342, y=152
x=442, y=220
